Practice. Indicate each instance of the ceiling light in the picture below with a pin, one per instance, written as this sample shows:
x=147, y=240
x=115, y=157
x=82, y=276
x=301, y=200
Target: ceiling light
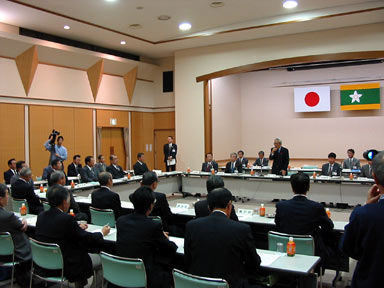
x=216, y=4
x=289, y=4
x=185, y=26
x=135, y=26
x=139, y=7
x=123, y=42
x=164, y=17
x=110, y=0
x=66, y=27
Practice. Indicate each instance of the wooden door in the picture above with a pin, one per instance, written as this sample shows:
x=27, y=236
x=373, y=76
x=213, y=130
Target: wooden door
x=112, y=142
x=161, y=137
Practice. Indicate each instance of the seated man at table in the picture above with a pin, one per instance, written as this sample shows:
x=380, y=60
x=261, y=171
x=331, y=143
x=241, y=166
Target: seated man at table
x=19, y=165
x=233, y=166
x=104, y=197
x=141, y=237
x=10, y=223
x=261, y=161
x=59, y=178
x=201, y=207
x=366, y=170
x=241, y=160
x=47, y=170
x=351, y=162
x=74, y=167
x=57, y=165
x=22, y=189
x=100, y=166
x=209, y=164
x=11, y=171
x=116, y=170
x=331, y=168
x=140, y=167
x=87, y=173
x=301, y=216
x=218, y=247
x=57, y=226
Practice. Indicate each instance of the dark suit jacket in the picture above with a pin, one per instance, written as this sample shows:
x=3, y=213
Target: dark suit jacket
x=301, y=216
x=335, y=169
x=88, y=175
x=347, y=163
x=140, y=169
x=366, y=171
x=49, y=178
x=202, y=210
x=169, y=152
x=141, y=237
x=363, y=240
x=10, y=223
x=116, y=174
x=7, y=176
x=238, y=167
x=103, y=198
x=73, y=171
x=54, y=226
x=280, y=160
x=162, y=209
x=258, y=162
x=206, y=167
x=23, y=190
x=218, y=247
x=47, y=170
x=243, y=162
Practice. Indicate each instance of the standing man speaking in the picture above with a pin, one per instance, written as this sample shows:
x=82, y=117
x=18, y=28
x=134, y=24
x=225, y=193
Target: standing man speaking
x=280, y=157
x=170, y=151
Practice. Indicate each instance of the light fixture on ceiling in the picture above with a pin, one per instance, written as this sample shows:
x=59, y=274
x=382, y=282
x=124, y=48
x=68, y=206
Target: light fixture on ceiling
x=217, y=4
x=123, y=42
x=110, y=0
x=139, y=8
x=289, y=4
x=164, y=17
x=185, y=26
x=66, y=27
x=135, y=26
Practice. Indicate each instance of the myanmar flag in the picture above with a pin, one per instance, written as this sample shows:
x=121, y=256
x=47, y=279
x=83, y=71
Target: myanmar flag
x=360, y=96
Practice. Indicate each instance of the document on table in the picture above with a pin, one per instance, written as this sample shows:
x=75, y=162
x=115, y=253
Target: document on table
x=171, y=162
x=98, y=230
x=267, y=258
x=176, y=210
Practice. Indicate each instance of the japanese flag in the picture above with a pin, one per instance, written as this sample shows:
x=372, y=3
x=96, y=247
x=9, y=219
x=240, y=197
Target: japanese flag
x=313, y=99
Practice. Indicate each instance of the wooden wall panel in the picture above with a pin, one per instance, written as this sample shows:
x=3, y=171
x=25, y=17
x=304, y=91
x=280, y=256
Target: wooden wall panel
x=64, y=122
x=113, y=139
x=103, y=118
x=142, y=128
x=164, y=120
x=11, y=124
x=83, y=128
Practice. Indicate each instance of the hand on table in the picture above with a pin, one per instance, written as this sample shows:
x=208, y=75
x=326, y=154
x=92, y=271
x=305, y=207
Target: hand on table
x=25, y=225
x=106, y=229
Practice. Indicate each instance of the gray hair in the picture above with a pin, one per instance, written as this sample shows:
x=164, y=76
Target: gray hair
x=234, y=153
x=104, y=177
x=25, y=172
x=378, y=167
x=279, y=140
x=56, y=177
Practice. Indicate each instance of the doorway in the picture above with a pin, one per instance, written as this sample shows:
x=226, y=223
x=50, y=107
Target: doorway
x=112, y=142
x=161, y=139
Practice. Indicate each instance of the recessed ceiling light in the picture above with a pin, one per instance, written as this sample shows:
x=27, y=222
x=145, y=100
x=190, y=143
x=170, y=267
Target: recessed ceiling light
x=185, y=26
x=66, y=27
x=164, y=17
x=289, y=4
x=139, y=7
x=135, y=26
x=110, y=0
x=123, y=42
x=216, y=4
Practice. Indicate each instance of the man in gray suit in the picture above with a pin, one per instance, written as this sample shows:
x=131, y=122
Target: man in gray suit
x=261, y=161
x=332, y=168
x=351, y=162
x=366, y=170
x=87, y=173
x=100, y=166
x=10, y=223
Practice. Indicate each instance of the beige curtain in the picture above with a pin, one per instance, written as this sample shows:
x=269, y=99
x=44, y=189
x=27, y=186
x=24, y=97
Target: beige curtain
x=98, y=141
x=126, y=147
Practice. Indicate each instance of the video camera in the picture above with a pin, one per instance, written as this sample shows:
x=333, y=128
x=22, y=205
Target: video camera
x=53, y=136
x=370, y=154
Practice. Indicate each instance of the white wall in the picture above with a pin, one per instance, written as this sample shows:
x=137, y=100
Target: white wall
x=191, y=63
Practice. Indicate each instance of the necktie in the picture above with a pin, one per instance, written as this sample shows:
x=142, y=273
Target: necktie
x=330, y=170
x=233, y=167
x=350, y=163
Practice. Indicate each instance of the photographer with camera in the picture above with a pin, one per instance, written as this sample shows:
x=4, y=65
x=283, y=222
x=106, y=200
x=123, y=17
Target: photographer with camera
x=58, y=151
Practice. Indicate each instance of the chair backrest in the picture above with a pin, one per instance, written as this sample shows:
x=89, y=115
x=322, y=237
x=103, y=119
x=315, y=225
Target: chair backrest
x=124, y=272
x=6, y=244
x=46, y=255
x=102, y=217
x=17, y=203
x=185, y=280
x=46, y=206
x=305, y=244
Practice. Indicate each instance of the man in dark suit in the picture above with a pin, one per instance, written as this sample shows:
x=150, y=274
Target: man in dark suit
x=56, y=165
x=10, y=223
x=140, y=167
x=141, y=237
x=218, y=247
x=241, y=159
x=209, y=164
x=100, y=166
x=47, y=170
x=351, y=162
x=161, y=208
x=332, y=168
x=105, y=198
x=19, y=165
x=366, y=170
x=57, y=226
x=233, y=166
x=364, y=235
x=22, y=189
x=74, y=167
x=261, y=161
x=280, y=157
x=116, y=170
x=301, y=216
x=170, y=152
x=12, y=171
x=87, y=173
x=201, y=207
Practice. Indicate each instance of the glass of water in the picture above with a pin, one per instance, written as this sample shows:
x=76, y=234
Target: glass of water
x=280, y=247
